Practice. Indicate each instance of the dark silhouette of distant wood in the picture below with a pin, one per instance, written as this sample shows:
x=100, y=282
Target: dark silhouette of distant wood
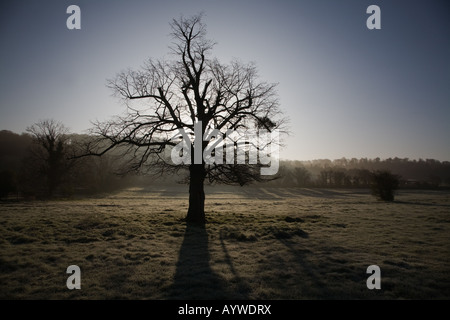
x=7, y=183
x=49, y=155
x=173, y=95
x=13, y=148
x=302, y=175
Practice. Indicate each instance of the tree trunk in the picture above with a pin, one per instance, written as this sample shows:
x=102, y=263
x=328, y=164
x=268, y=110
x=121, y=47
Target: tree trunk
x=196, y=211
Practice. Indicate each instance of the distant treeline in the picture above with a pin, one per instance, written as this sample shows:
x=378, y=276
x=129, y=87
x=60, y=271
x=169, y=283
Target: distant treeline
x=27, y=170
x=35, y=169
x=428, y=173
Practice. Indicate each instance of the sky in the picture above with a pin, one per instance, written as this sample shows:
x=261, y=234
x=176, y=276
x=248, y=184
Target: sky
x=348, y=91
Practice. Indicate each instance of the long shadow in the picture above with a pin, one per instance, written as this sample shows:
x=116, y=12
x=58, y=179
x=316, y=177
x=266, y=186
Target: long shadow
x=312, y=285
x=243, y=289
x=325, y=192
x=281, y=192
x=319, y=278
x=194, y=278
x=162, y=190
x=422, y=204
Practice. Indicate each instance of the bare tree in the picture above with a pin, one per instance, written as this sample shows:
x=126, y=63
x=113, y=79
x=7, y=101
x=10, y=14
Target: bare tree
x=49, y=154
x=302, y=175
x=165, y=97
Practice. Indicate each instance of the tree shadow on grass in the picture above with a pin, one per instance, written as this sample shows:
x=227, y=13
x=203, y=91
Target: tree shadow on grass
x=311, y=274
x=242, y=287
x=415, y=203
x=194, y=278
x=330, y=276
x=274, y=193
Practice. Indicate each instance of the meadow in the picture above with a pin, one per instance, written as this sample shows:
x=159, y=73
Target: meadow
x=258, y=243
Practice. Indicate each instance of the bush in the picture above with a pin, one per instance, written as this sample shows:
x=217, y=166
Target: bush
x=384, y=185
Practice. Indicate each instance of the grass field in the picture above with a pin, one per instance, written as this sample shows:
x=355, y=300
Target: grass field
x=262, y=243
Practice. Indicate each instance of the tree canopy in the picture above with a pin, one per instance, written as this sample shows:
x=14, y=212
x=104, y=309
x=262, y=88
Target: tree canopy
x=166, y=97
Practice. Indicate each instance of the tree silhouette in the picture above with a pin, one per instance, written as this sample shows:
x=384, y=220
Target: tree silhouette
x=7, y=183
x=384, y=185
x=164, y=97
x=49, y=153
x=302, y=175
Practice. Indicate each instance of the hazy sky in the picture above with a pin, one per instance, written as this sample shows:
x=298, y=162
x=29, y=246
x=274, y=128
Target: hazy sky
x=347, y=90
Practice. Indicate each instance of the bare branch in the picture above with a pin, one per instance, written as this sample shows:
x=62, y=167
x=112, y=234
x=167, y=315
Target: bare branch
x=165, y=96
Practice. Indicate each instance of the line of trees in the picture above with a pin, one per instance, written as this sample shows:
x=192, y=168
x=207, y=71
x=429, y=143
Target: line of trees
x=358, y=173
x=41, y=164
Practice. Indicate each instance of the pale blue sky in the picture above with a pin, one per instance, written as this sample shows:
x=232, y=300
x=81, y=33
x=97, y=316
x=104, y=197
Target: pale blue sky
x=348, y=91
